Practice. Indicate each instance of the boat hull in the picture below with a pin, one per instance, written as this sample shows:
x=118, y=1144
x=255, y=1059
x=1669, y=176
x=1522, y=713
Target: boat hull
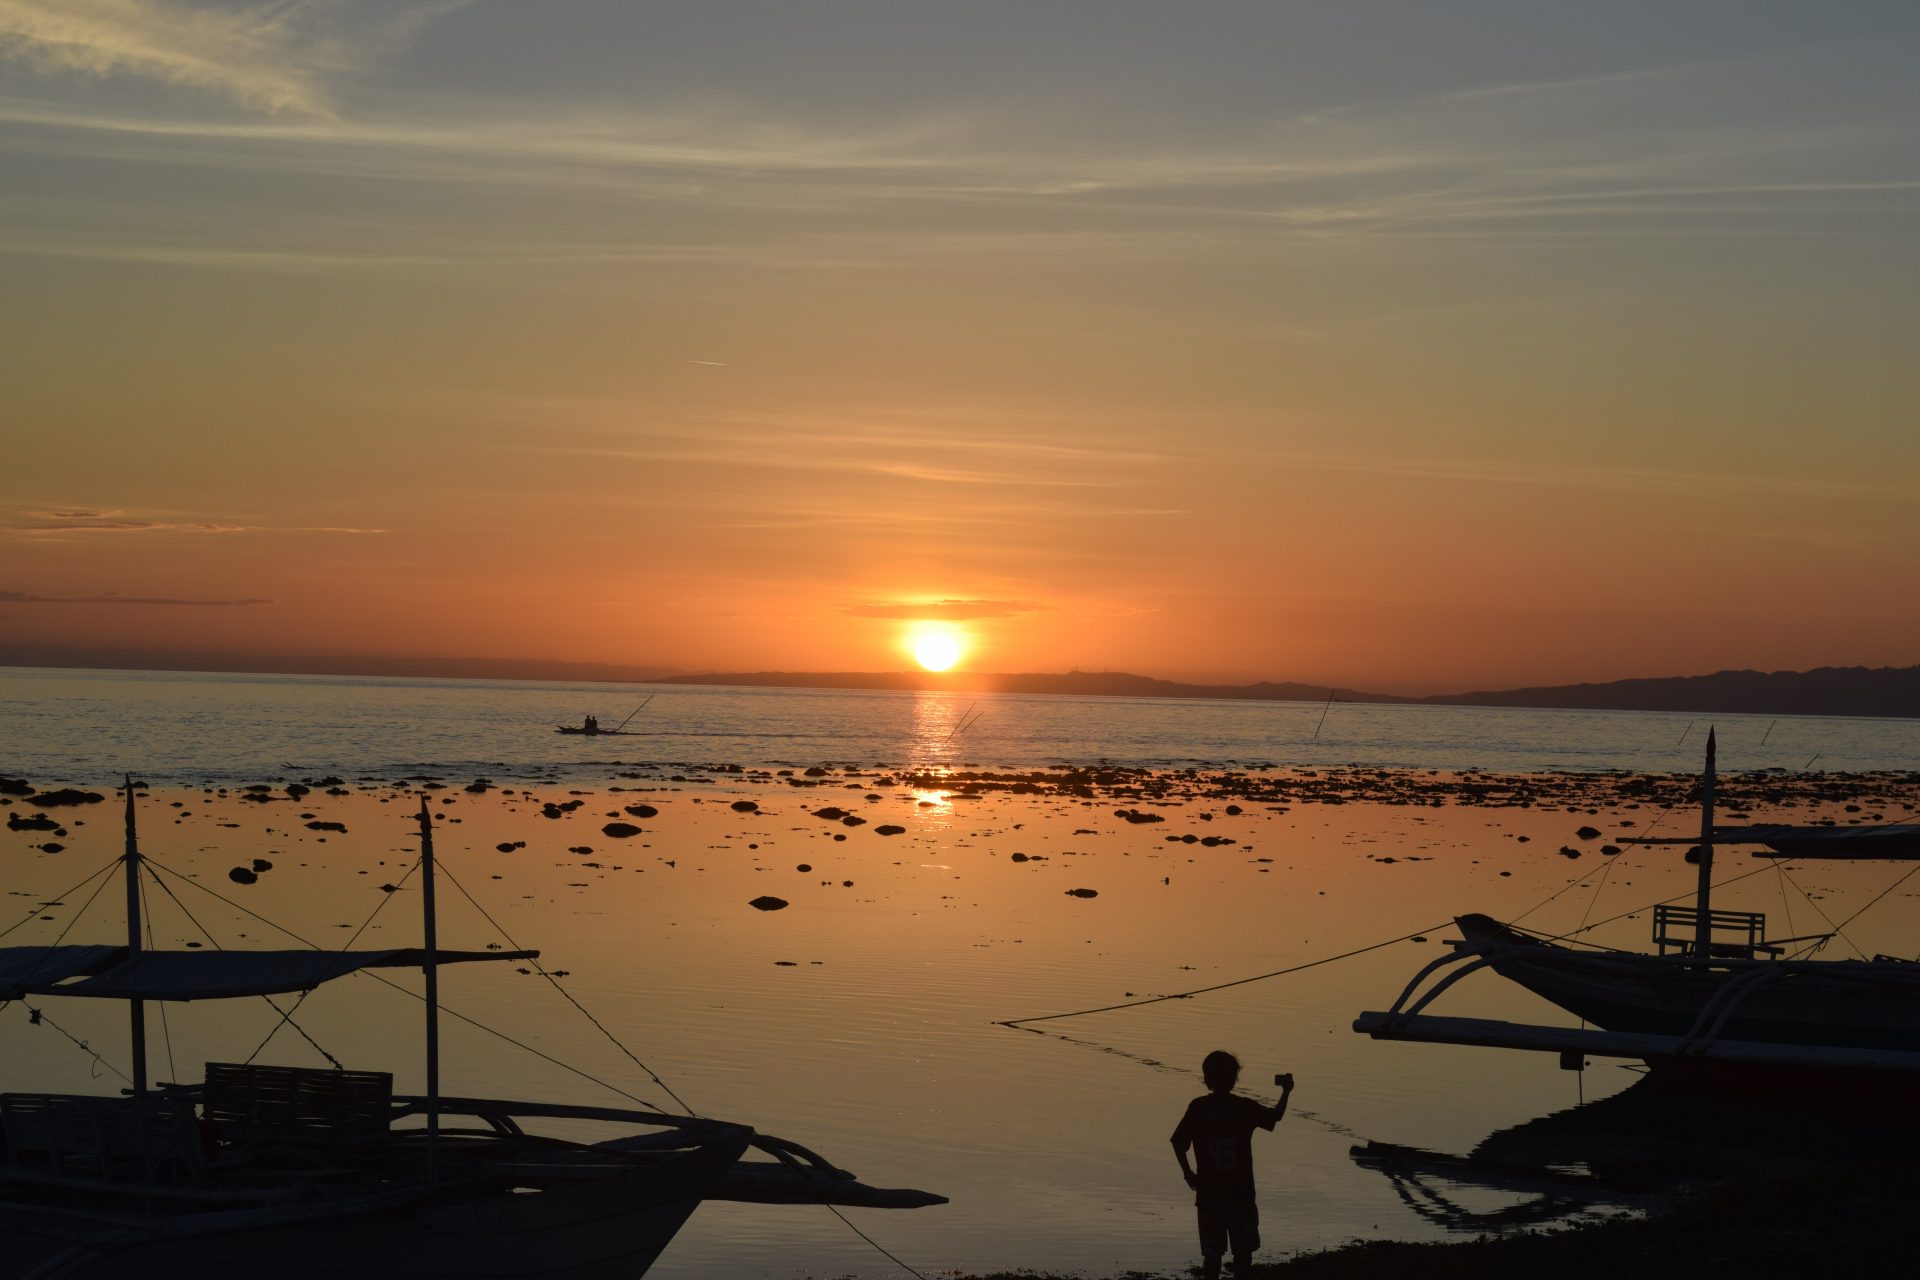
x=1872, y=1005
x=604, y=1227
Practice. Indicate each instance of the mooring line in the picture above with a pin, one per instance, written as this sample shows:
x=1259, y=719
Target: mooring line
x=1222, y=986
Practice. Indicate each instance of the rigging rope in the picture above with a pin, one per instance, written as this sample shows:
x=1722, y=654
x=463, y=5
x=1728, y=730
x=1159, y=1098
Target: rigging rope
x=166, y=1030
x=35, y=1018
x=35, y=913
x=555, y=983
x=1222, y=986
x=286, y=1018
x=835, y=1211
x=645, y=1102
x=286, y=1015
x=1883, y=893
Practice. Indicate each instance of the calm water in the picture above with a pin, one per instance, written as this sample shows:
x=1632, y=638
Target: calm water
x=173, y=727
x=860, y=1020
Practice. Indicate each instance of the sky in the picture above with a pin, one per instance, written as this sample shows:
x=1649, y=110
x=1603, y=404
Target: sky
x=1411, y=347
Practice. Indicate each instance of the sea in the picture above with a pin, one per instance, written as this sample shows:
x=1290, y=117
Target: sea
x=866, y=1018
x=186, y=728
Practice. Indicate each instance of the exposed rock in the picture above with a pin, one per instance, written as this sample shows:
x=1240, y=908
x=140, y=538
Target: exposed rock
x=1588, y=833
x=33, y=822
x=1018, y=857
x=853, y=820
x=1083, y=893
x=620, y=830
x=15, y=787
x=64, y=796
x=744, y=806
x=767, y=902
x=52, y=846
x=643, y=811
x=242, y=875
x=322, y=825
x=889, y=829
x=261, y=864
x=829, y=813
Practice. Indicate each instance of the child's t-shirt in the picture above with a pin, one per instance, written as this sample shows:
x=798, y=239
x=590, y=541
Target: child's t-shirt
x=1219, y=1127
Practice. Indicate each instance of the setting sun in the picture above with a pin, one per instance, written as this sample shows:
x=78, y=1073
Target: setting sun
x=936, y=648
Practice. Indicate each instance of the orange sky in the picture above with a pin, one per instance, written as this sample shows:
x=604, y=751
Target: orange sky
x=1324, y=343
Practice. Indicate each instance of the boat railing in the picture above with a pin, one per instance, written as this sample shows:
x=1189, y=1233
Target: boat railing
x=1731, y=935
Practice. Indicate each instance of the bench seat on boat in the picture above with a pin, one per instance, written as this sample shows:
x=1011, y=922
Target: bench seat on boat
x=248, y=1104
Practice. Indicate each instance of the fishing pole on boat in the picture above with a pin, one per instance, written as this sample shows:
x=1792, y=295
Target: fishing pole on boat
x=636, y=711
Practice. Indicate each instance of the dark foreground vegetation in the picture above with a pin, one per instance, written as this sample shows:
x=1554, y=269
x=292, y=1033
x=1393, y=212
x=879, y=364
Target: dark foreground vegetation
x=1856, y=1223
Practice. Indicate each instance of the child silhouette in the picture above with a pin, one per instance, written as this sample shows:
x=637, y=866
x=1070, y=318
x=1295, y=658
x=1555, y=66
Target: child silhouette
x=1218, y=1128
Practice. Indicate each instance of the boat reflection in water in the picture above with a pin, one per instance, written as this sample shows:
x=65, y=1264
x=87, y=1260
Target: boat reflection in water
x=1629, y=1154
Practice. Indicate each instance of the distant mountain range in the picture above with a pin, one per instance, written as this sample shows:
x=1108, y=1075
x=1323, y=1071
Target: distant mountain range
x=1825, y=691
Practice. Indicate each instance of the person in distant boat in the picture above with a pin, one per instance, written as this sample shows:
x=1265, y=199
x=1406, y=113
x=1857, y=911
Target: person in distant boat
x=1218, y=1128
x=592, y=725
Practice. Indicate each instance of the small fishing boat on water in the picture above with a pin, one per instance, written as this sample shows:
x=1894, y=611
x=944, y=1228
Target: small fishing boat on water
x=1716, y=998
x=590, y=727
x=286, y=1171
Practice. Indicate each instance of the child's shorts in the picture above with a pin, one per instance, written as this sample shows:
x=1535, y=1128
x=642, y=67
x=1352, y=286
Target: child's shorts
x=1235, y=1223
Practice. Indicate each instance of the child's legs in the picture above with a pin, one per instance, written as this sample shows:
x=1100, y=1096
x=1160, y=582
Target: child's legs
x=1213, y=1240
x=1243, y=1227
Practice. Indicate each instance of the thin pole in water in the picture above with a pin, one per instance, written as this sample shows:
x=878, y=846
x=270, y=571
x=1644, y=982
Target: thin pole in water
x=138, y=1008
x=431, y=969
x=1323, y=715
x=1689, y=729
x=1767, y=734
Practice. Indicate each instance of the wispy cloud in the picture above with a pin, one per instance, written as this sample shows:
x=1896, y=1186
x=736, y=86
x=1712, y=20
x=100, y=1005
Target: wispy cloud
x=274, y=57
x=56, y=524
x=28, y=597
x=944, y=610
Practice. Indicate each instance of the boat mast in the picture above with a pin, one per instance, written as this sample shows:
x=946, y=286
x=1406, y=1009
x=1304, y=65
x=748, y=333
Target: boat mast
x=1702, y=908
x=137, y=1006
x=431, y=969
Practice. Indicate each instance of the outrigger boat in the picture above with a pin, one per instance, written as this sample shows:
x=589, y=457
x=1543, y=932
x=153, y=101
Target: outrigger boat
x=284, y=1171
x=1717, y=998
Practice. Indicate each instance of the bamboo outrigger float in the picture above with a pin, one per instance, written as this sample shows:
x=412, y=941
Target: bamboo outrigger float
x=1719, y=1000
x=283, y=1171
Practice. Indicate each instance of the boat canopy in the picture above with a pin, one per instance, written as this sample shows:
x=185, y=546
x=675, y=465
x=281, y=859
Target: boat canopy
x=108, y=972
x=22, y=968
x=1894, y=841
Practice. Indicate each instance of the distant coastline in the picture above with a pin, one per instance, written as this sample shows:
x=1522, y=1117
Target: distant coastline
x=1874, y=692
x=1880, y=692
